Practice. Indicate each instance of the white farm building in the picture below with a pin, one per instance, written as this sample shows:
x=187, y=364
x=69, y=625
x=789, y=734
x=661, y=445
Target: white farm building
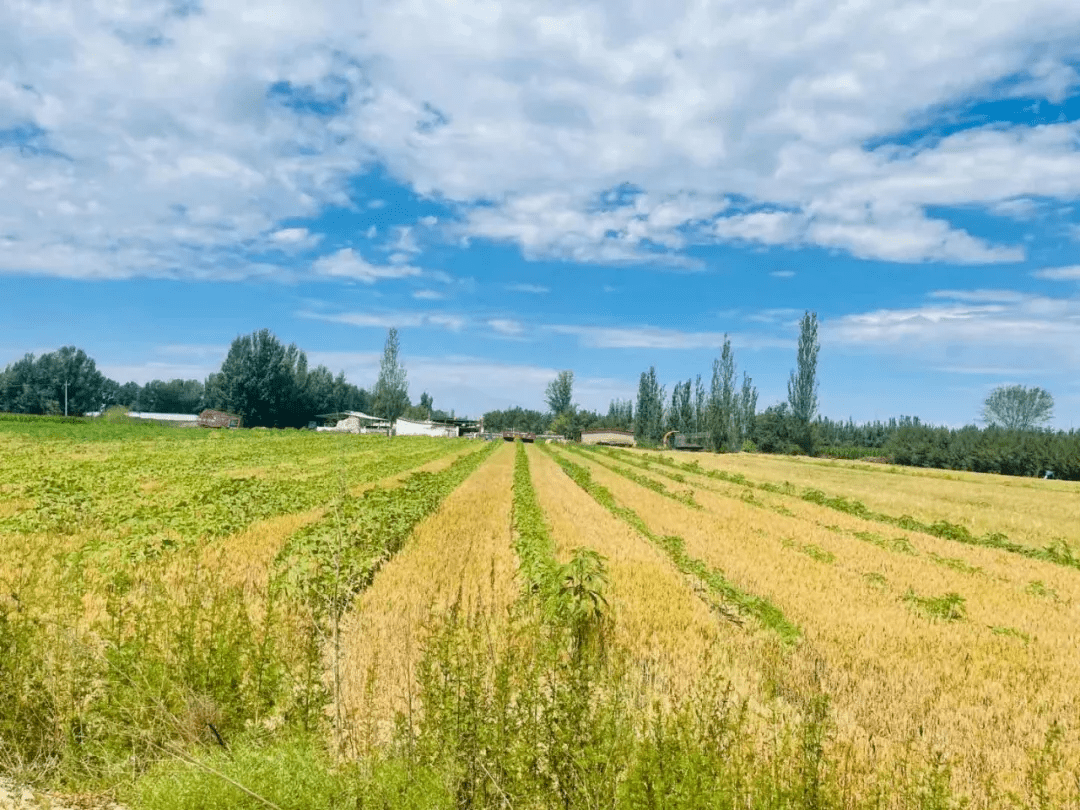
x=353, y=422
x=412, y=427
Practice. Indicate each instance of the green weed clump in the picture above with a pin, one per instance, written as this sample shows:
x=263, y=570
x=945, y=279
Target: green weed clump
x=949, y=607
x=810, y=550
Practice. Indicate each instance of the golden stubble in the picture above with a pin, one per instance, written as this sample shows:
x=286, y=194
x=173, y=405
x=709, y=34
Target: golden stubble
x=1012, y=574
x=460, y=555
x=909, y=684
x=1028, y=510
x=670, y=632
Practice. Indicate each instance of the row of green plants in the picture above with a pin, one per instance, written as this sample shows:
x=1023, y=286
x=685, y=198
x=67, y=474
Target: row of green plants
x=731, y=596
x=532, y=541
x=949, y=607
x=194, y=494
x=686, y=497
x=176, y=657
x=1058, y=552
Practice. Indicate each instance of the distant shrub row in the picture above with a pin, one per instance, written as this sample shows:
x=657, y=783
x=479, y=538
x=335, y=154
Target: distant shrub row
x=989, y=450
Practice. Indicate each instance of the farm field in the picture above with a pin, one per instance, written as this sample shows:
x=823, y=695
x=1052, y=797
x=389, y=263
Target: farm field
x=361, y=621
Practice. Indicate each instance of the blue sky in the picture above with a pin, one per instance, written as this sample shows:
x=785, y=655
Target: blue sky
x=526, y=187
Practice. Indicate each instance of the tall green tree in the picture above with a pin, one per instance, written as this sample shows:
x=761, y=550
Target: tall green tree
x=649, y=423
x=45, y=384
x=392, y=388
x=1017, y=407
x=699, y=405
x=620, y=414
x=262, y=380
x=802, y=384
x=721, y=408
x=748, y=397
x=560, y=393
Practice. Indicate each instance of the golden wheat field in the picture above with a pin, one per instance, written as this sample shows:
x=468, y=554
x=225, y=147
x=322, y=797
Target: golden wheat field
x=245, y=583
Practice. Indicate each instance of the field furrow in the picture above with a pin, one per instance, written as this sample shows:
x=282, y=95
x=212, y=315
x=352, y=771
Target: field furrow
x=1035, y=513
x=896, y=670
x=462, y=554
x=659, y=618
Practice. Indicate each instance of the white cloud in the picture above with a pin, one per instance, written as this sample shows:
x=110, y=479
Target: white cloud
x=976, y=329
x=294, y=236
x=428, y=295
x=506, y=327
x=348, y=264
x=533, y=289
x=651, y=337
x=387, y=320
x=1071, y=273
x=782, y=273
x=141, y=142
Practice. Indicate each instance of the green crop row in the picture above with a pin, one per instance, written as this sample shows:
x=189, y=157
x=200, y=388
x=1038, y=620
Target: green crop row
x=327, y=562
x=1059, y=552
x=764, y=611
x=533, y=543
x=686, y=498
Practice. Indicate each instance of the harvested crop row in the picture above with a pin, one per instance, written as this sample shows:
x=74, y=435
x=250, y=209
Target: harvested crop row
x=462, y=554
x=729, y=595
x=1031, y=512
x=658, y=619
x=811, y=516
x=911, y=683
x=1057, y=552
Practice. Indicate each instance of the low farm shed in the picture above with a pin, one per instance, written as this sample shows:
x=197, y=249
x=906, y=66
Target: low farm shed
x=607, y=436
x=218, y=419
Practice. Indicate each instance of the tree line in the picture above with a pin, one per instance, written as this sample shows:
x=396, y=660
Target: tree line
x=270, y=384
x=263, y=380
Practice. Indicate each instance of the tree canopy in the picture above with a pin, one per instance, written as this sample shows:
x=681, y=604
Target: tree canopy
x=560, y=393
x=392, y=388
x=1017, y=407
x=36, y=385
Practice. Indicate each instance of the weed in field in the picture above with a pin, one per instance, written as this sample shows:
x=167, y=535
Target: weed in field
x=949, y=607
x=999, y=630
x=876, y=579
x=955, y=564
x=810, y=550
x=1039, y=588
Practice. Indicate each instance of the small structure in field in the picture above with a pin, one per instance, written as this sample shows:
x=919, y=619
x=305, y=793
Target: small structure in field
x=353, y=422
x=510, y=435
x=173, y=419
x=413, y=427
x=219, y=419
x=608, y=436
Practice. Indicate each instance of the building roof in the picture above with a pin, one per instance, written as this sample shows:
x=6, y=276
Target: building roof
x=354, y=414
x=163, y=417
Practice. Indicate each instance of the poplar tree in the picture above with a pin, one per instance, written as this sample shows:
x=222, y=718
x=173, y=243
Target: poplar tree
x=392, y=389
x=648, y=426
x=802, y=384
